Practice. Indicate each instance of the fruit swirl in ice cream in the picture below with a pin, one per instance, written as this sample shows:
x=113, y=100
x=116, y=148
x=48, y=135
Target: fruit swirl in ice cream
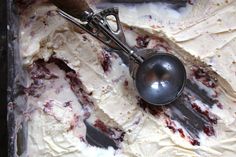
x=72, y=76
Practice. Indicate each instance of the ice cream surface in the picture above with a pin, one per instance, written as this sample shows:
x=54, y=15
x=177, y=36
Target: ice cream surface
x=72, y=76
x=191, y=28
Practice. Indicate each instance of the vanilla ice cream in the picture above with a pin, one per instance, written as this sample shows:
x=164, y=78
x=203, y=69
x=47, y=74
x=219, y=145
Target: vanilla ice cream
x=73, y=76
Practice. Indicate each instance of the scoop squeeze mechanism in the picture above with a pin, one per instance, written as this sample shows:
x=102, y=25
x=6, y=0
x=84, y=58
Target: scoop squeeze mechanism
x=97, y=25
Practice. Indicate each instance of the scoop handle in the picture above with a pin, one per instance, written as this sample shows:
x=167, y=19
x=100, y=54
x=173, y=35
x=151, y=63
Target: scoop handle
x=76, y=8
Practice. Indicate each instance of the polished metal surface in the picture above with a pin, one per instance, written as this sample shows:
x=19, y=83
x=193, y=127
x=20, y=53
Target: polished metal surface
x=97, y=138
x=159, y=77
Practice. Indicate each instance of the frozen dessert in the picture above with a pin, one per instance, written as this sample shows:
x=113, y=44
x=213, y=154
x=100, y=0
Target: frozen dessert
x=73, y=77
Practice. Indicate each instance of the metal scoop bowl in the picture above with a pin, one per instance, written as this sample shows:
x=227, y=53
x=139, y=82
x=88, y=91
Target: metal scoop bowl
x=159, y=77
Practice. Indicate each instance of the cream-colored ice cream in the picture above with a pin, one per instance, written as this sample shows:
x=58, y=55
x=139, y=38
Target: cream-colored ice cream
x=199, y=39
x=205, y=30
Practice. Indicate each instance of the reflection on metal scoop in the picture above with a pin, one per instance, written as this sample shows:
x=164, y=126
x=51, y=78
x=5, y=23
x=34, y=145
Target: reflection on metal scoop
x=159, y=77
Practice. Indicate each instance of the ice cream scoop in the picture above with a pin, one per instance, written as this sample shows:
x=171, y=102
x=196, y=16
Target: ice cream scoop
x=159, y=77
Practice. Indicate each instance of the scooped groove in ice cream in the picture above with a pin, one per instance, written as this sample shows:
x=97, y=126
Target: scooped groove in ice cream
x=56, y=114
x=210, y=21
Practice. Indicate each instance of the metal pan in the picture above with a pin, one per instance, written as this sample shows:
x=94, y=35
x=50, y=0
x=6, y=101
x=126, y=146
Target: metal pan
x=12, y=79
